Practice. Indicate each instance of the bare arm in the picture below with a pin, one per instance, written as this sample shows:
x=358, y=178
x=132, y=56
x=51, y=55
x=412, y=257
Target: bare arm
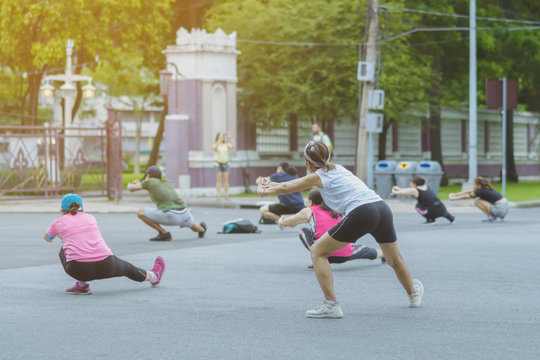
x=46, y=238
x=289, y=187
x=135, y=185
x=230, y=143
x=461, y=195
x=300, y=217
x=396, y=190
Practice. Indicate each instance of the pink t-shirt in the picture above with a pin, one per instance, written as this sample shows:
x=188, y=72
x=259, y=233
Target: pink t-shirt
x=321, y=221
x=81, y=237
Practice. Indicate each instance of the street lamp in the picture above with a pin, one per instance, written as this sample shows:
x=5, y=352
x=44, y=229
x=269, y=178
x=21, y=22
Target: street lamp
x=68, y=90
x=89, y=91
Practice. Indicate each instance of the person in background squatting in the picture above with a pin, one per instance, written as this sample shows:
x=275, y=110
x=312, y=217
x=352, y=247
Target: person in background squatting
x=486, y=198
x=288, y=204
x=428, y=205
x=84, y=254
x=321, y=219
x=364, y=212
x=221, y=147
x=171, y=209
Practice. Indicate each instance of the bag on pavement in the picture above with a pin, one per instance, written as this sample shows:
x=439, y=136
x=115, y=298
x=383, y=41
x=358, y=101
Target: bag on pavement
x=239, y=226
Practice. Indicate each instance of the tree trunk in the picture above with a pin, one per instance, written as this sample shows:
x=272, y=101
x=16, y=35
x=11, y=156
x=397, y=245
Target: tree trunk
x=138, y=126
x=511, y=172
x=382, y=139
x=77, y=102
x=34, y=82
x=154, y=154
x=434, y=96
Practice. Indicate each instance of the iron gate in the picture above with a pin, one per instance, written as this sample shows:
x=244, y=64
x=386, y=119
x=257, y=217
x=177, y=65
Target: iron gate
x=43, y=161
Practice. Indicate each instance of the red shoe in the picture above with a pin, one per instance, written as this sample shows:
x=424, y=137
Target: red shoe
x=158, y=269
x=79, y=290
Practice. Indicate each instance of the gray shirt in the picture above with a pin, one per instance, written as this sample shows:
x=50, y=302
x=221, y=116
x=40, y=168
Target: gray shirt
x=343, y=192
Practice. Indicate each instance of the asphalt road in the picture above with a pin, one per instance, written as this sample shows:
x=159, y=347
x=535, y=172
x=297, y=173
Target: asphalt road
x=244, y=296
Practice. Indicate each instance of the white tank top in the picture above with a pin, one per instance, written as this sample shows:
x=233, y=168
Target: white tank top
x=343, y=192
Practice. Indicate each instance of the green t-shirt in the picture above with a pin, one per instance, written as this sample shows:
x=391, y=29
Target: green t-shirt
x=163, y=194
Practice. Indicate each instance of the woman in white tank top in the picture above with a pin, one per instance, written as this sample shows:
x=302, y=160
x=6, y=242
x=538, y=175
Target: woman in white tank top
x=363, y=212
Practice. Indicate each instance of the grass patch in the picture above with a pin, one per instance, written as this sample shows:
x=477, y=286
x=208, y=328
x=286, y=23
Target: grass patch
x=521, y=191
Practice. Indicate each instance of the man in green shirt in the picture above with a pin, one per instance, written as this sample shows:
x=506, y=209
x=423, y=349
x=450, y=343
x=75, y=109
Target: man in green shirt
x=171, y=209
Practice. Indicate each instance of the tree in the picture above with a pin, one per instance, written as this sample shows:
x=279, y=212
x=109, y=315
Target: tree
x=133, y=84
x=33, y=36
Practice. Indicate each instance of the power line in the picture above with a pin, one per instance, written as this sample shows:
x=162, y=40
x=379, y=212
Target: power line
x=297, y=43
x=426, y=12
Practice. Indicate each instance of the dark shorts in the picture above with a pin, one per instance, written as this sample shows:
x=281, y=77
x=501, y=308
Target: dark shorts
x=374, y=218
x=280, y=209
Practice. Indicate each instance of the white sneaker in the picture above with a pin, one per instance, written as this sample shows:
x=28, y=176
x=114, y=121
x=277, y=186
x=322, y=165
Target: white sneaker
x=416, y=299
x=328, y=309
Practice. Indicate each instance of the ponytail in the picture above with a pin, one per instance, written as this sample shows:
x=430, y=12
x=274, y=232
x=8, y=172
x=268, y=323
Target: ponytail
x=317, y=154
x=74, y=208
x=288, y=168
x=316, y=198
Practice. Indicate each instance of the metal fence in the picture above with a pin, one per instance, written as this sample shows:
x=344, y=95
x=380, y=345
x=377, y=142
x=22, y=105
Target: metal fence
x=42, y=161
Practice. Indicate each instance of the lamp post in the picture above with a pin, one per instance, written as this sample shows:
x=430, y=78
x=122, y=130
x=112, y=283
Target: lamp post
x=165, y=78
x=67, y=91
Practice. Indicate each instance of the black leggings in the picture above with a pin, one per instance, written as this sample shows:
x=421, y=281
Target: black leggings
x=109, y=267
x=434, y=211
x=307, y=239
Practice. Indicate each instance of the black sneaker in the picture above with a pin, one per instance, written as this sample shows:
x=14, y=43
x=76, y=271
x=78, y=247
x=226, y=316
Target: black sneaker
x=203, y=225
x=383, y=260
x=162, y=237
x=266, y=221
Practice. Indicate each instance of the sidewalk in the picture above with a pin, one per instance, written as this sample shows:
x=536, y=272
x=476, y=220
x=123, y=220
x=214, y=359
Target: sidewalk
x=132, y=201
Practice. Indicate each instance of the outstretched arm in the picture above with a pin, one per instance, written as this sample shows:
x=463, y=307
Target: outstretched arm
x=461, y=195
x=300, y=217
x=135, y=185
x=396, y=190
x=289, y=187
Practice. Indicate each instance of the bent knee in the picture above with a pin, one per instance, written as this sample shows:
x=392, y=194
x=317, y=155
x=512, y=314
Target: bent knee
x=140, y=212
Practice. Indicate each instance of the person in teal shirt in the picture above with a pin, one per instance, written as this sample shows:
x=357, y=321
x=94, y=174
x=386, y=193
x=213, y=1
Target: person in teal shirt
x=170, y=209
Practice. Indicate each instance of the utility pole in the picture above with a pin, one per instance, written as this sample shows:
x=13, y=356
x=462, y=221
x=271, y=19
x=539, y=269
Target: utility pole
x=366, y=86
x=473, y=164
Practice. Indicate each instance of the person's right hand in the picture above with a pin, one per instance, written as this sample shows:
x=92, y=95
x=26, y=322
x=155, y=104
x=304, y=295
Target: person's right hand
x=452, y=196
x=280, y=221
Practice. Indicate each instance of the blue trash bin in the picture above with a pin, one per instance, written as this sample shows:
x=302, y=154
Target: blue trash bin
x=384, y=177
x=432, y=172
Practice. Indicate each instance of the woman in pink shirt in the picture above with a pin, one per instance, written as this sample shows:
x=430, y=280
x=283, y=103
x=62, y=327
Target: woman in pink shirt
x=85, y=256
x=321, y=219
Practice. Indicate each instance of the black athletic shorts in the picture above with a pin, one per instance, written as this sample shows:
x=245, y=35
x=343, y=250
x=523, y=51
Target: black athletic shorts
x=373, y=218
x=280, y=209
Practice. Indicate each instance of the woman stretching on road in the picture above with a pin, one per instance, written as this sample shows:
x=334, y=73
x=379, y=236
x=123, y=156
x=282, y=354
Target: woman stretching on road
x=85, y=256
x=486, y=198
x=321, y=219
x=364, y=212
x=428, y=205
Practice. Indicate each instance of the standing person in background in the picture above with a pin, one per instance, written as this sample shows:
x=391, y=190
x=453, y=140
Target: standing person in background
x=319, y=135
x=486, y=198
x=85, y=256
x=221, y=147
x=288, y=204
x=171, y=209
x=428, y=205
x=364, y=212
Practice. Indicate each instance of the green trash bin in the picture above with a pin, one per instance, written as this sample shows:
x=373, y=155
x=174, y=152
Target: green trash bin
x=432, y=172
x=384, y=177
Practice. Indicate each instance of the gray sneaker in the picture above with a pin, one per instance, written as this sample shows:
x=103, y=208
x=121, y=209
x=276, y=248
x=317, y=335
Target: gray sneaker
x=328, y=309
x=416, y=299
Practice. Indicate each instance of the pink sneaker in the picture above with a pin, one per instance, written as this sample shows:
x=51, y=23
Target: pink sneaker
x=158, y=269
x=79, y=290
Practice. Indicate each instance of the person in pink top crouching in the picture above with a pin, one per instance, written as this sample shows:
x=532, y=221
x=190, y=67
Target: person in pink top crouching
x=85, y=256
x=321, y=219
